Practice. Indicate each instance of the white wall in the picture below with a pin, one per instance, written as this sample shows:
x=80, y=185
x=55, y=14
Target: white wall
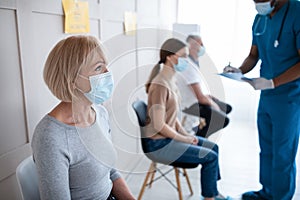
x=29, y=29
x=225, y=27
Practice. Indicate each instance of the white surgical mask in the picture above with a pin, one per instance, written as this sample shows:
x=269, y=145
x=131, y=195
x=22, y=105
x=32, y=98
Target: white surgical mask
x=201, y=51
x=101, y=87
x=264, y=8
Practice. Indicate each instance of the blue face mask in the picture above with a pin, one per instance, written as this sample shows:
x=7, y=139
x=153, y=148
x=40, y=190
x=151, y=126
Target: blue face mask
x=101, y=87
x=264, y=8
x=201, y=51
x=181, y=65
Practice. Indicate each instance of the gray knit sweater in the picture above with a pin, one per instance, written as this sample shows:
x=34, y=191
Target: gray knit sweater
x=74, y=163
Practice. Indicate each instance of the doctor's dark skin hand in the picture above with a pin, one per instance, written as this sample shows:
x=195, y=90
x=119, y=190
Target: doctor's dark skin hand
x=276, y=43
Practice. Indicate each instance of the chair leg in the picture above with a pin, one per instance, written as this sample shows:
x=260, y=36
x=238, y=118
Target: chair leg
x=151, y=170
x=188, y=181
x=178, y=183
x=152, y=175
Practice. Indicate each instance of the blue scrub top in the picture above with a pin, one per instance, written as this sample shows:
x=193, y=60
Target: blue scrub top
x=275, y=61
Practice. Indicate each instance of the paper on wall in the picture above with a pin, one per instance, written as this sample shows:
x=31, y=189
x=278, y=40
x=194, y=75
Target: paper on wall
x=76, y=16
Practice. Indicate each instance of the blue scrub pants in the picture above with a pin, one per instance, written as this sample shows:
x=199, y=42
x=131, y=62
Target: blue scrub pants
x=278, y=126
x=205, y=153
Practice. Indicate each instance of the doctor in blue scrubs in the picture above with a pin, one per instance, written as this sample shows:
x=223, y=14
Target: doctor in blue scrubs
x=276, y=42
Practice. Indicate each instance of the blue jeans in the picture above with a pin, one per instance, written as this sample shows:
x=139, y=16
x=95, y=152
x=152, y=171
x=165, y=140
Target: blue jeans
x=205, y=153
x=278, y=127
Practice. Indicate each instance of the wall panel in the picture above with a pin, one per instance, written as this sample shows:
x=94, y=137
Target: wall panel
x=29, y=30
x=12, y=119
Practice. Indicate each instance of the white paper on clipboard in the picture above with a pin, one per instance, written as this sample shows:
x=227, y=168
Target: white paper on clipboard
x=235, y=76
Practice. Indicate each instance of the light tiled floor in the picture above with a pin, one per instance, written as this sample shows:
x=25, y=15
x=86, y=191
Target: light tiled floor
x=238, y=162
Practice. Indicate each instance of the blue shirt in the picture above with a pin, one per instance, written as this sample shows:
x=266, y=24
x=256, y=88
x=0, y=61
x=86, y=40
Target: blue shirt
x=276, y=60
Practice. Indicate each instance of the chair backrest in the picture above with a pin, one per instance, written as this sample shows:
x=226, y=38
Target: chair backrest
x=140, y=108
x=27, y=178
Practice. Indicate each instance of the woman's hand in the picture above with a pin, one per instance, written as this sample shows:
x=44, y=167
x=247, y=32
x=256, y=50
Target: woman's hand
x=195, y=140
x=191, y=139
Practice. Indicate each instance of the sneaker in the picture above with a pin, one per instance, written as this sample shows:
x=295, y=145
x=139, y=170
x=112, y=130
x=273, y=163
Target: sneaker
x=221, y=197
x=252, y=195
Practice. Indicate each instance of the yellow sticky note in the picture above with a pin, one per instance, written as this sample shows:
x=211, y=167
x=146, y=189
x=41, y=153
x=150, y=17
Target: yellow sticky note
x=76, y=16
x=129, y=23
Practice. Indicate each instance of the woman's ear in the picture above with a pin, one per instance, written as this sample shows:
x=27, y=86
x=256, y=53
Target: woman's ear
x=172, y=57
x=169, y=60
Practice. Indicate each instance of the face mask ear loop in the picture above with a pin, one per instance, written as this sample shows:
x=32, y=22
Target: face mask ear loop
x=81, y=76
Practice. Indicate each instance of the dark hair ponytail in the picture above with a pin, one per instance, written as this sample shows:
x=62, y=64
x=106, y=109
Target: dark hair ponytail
x=169, y=47
x=154, y=72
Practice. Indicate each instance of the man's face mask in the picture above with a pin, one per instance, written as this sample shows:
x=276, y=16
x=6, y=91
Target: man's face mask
x=201, y=51
x=264, y=8
x=101, y=87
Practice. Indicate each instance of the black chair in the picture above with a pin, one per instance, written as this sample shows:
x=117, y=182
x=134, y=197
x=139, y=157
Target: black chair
x=140, y=109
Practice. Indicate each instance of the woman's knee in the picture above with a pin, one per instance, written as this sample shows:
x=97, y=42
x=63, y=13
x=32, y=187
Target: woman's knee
x=208, y=155
x=215, y=148
x=208, y=144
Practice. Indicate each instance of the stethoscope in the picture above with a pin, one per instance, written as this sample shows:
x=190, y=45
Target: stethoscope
x=276, y=42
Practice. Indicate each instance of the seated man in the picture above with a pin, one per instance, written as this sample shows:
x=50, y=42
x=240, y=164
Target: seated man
x=194, y=102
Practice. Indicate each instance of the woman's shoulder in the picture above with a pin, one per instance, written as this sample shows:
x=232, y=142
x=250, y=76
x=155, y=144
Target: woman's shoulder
x=160, y=83
x=49, y=122
x=50, y=140
x=49, y=129
x=158, y=88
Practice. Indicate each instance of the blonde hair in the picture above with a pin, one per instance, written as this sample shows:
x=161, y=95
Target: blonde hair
x=65, y=61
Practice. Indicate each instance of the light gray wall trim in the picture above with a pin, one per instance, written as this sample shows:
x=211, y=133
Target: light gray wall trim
x=17, y=127
x=10, y=161
x=55, y=7
x=116, y=9
x=25, y=41
x=8, y=4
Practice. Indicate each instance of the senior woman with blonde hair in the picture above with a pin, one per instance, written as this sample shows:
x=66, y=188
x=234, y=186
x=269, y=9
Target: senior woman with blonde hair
x=72, y=145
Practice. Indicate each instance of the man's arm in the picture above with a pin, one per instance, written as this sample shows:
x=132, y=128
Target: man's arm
x=203, y=99
x=251, y=60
